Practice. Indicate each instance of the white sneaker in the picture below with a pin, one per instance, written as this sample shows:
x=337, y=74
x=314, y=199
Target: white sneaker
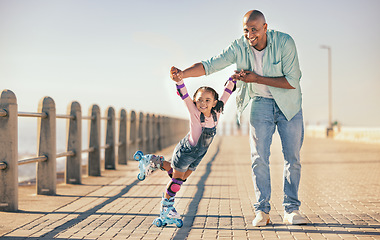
x=261, y=219
x=294, y=218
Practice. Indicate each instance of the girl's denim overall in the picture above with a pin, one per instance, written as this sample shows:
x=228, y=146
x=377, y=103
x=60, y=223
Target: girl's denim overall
x=187, y=157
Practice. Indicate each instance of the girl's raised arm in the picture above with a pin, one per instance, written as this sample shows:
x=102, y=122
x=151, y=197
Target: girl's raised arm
x=230, y=87
x=182, y=92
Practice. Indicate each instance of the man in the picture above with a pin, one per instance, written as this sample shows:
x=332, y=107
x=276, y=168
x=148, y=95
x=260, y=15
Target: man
x=269, y=74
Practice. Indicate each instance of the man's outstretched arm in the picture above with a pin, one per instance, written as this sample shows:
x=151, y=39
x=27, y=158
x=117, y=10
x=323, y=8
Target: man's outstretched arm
x=195, y=70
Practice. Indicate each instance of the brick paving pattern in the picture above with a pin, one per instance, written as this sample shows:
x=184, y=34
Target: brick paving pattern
x=340, y=194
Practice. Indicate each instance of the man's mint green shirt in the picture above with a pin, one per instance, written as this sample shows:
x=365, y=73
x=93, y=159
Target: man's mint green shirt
x=280, y=59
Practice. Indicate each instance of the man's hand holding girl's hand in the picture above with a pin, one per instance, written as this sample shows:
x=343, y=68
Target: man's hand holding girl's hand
x=245, y=76
x=176, y=74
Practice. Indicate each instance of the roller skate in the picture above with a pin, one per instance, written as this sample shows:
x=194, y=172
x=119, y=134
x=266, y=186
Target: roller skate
x=168, y=214
x=147, y=164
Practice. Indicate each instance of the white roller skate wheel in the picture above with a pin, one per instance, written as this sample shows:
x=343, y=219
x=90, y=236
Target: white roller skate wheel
x=158, y=222
x=138, y=155
x=140, y=178
x=179, y=223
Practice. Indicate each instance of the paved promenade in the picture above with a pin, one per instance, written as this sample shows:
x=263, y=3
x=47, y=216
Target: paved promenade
x=340, y=194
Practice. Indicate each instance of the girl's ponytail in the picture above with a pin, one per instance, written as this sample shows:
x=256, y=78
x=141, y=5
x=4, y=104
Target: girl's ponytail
x=219, y=107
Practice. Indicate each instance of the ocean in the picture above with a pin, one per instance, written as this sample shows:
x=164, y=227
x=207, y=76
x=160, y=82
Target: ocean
x=28, y=146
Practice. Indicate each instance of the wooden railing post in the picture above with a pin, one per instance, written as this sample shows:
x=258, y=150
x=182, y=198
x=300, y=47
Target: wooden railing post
x=159, y=133
x=132, y=135
x=140, y=135
x=122, y=149
x=74, y=143
x=148, y=144
x=171, y=130
x=165, y=132
x=154, y=133
x=109, y=157
x=162, y=132
x=94, y=168
x=47, y=171
x=8, y=152
x=176, y=128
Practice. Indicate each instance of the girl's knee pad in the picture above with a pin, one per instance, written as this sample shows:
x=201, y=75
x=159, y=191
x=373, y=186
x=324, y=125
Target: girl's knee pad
x=174, y=186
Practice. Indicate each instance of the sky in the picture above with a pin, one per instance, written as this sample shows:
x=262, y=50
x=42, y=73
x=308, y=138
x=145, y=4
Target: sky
x=119, y=53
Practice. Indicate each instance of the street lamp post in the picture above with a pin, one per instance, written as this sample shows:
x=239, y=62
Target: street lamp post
x=329, y=130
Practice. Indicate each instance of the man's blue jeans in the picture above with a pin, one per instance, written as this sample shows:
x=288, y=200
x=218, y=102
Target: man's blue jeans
x=265, y=116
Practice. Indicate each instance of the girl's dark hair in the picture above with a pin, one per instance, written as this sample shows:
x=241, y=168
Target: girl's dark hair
x=219, y=107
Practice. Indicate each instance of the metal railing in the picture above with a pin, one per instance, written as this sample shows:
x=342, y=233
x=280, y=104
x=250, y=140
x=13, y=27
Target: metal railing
x=28, y=114
x=145, y=132
x=65, y=116
x=32, y=160
x=66, y=154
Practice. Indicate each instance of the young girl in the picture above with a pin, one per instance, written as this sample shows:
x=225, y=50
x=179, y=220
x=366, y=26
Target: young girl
x=204, y=109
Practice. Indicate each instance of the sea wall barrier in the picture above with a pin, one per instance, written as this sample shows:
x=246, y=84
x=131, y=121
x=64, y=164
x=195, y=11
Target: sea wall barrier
x=146, y=132
x=352, y=134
